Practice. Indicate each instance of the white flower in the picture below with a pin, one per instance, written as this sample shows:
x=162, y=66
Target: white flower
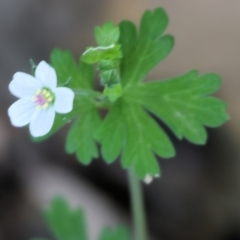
x=39, y=99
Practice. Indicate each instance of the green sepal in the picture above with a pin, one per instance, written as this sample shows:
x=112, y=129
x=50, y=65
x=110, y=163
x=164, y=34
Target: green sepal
x=107, y=34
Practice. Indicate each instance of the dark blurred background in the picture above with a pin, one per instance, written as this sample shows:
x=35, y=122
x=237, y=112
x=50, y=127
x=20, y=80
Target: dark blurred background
x=198, y=195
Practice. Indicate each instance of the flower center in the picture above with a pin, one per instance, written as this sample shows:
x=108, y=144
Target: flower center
x=43, y=98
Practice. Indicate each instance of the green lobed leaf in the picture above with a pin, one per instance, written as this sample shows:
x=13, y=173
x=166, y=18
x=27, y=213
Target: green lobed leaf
x=79, y=78
x=80, y=138
x=66, y=224
x=107, y=34
x=142, y=53
x=183, y=103
x=120, y=233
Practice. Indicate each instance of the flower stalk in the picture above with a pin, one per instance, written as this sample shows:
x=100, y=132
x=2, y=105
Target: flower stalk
x=139, y=219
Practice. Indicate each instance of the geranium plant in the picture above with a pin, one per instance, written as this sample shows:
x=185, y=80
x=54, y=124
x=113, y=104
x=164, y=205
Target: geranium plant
x=64, y=91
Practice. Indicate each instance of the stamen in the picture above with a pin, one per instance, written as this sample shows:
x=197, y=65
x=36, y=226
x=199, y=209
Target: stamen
x=47, y=94
x=43, y=98
x=50, y=99
x=45, y=105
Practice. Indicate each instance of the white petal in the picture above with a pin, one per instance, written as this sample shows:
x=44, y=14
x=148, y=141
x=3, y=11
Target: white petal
x=23, y=85
x=63, y=100
x=148, y=179
x=47, y=75
x=21, y=112
x=42, y=122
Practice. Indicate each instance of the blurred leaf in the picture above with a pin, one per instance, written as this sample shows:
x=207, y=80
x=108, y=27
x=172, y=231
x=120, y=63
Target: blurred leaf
x=120, y=233
x=38, y=239
x=65, y=223
x=107, y=34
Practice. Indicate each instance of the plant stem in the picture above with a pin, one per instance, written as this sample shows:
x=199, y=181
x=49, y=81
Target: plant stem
x=137, y=207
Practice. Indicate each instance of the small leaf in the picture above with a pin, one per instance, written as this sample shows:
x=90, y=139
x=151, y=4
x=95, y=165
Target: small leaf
x=95, y=55
x=80, y=138
x=120, y=233
x=142, y=54
x=107, y=34
x=65, y=223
